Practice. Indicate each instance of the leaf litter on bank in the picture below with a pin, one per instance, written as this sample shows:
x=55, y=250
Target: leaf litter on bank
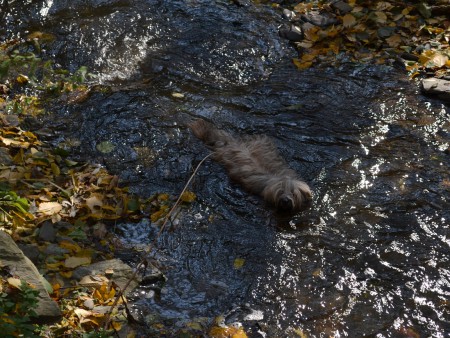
x=380, y=32
x=40, y=184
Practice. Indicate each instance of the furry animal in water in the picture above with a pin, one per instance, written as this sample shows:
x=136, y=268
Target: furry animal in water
x=254, y=162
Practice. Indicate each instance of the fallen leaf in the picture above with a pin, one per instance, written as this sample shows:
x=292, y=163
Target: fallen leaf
x=105, y=147
x=14, y=282
x=49, y=208
x=439, y=60
x=227, y=332
x=94, y=203
x=188, y=197
x=73, y=262
x=394, y=40
x=348, y=20
x=238, y=263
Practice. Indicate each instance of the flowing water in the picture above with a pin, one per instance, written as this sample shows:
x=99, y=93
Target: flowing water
x=370, y=258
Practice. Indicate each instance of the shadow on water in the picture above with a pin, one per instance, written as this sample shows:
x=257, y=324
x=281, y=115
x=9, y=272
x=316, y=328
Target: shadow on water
x=371, y=258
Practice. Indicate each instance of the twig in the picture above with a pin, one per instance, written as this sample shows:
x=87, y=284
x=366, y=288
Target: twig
x=166, y=219
x=150, y=248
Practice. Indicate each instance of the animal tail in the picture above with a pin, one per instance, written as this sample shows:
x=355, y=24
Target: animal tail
x=209, y=134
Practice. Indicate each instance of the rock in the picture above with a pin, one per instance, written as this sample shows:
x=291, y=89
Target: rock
x=89, y=304
x=321, y=19
x=47, y=232
x=31, y=251
x=5, y=158
x=437, y=87
x=55, y=250
x=291, y=33
x=122, y=273
x=288, y=14
x=11, y=256
x=342, y=7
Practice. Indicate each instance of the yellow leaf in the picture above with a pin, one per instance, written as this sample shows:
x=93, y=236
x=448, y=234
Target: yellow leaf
x=70, y=246
x=227, y=332
x=82, y=313
x=14, y=282
x=54, y=266
x=22, y=79
x=14, y=143
x=423, y=59
x=160, y=213
x=163, y=197
x=188, y=197
x=116, y=325
x=300, y=333
x=439, y=60
x=238, y=263
x=66, y=274
x=55, y=169
x=49, y=208
x=348, y=20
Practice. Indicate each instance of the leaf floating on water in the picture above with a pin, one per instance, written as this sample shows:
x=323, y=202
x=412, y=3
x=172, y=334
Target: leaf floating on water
x=178, y=95
x=238, y=263
x=94, y=203
x=188, y=197
x=22, y=79
x=105, y=147
x=300, y=333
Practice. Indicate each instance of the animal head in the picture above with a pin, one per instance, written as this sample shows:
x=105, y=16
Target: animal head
x=287, y=194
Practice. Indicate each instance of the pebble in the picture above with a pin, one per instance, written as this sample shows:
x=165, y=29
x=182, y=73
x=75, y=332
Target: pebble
x=47, y=232
x=291, y=33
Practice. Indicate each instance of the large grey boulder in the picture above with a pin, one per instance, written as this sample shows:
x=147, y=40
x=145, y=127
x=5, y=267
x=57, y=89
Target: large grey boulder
x=437, y=87
x=13, y=258
x=121, y=273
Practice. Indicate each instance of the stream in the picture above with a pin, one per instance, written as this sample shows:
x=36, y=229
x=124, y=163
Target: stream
x=371, y=256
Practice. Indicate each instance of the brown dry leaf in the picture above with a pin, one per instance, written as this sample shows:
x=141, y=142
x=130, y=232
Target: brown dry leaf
x=302, y=65
x=394, y=40
x=381, y=17
x=439, y=60
x=311, y=33
x=95, y=203
x=96, y=280
x=348, y=20
x=73, y=262
x=49, y=208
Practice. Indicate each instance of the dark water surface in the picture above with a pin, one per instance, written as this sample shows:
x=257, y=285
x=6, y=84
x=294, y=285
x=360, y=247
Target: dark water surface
x=371, y=258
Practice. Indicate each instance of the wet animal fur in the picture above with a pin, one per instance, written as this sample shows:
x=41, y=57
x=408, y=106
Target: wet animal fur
x=254, y=162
